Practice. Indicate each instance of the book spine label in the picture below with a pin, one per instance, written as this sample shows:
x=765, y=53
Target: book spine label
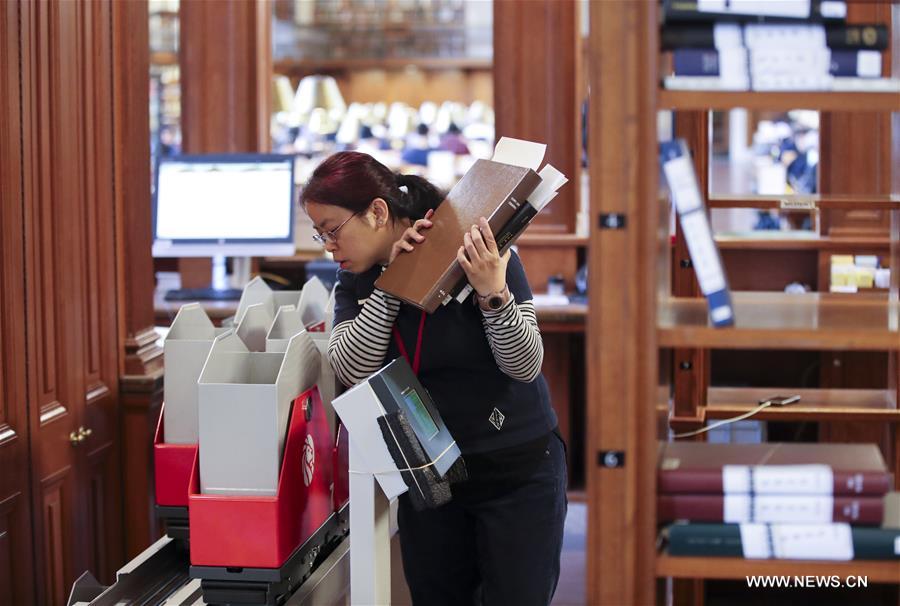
x=770, y=508
x=777, y=479
x=695, y=62
x=859, y=64
x=857, y=37
x=754, y=10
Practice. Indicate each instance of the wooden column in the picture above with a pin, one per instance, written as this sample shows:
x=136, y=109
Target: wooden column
x=141, y=363
x=865, y=139
x=621, y=338
x=226, y=69
x=225, y=57
x=535, y=47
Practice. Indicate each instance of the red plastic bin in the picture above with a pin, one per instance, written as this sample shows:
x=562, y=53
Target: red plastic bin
x=263, y=531
x=172, y=467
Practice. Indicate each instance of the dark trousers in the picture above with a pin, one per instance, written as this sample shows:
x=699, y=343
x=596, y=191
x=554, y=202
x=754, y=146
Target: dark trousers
x=493, y=545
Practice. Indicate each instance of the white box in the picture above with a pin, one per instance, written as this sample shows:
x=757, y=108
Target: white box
x=257, y=291
x=287, y=324
x=359, y=409
x=186, y=347
x=312, y=304
x=245, y=404
x=255, y=325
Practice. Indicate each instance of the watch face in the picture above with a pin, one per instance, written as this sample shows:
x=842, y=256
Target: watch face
x=495, y=302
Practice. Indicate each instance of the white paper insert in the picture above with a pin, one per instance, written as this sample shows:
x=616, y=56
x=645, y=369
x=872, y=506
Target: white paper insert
x=518, y=152
x=778, y=479
x=812, y=541
x=703, y=252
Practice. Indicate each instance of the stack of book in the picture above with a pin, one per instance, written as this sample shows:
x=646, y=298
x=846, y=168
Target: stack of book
x=768, y=46
x=776, y=501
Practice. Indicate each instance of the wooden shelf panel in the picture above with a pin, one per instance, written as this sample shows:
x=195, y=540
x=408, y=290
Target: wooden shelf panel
x=774, y=320
x=539, y=239
x=811, y=242
x=877, y=571
x=814, y=405
x=290, y=66
x=823, y=101
x=791, y=203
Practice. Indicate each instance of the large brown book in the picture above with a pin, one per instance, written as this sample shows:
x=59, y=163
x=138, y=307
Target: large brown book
x=867, y=511
x=427, y=275
x=699, y=468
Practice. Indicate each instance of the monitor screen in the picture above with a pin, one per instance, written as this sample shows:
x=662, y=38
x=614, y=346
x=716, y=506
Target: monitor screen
x=229, y=205
x=419, y=413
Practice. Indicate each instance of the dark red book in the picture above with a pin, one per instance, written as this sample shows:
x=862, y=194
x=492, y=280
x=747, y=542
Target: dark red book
x=866, y=511
x=843, y=469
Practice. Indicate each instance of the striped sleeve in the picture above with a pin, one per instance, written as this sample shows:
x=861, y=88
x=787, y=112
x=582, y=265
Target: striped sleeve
x=515, y=339
x=357, y=347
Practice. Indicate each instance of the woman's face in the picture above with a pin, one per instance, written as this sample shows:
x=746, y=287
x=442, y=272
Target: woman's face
x=364, y=240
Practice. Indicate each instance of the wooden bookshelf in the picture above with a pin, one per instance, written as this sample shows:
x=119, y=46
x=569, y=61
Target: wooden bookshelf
x=876, y=571
x=778, y=240
x=822, y=101
x=539, y=239
x=649, y=302
x=765, y=320
x=806, y=203
x=295, y=66
x=814, y=405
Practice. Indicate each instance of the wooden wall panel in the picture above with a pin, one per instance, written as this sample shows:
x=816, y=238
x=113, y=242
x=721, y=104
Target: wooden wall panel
x=141, y=365
x=16, y=555
x=535, y=45
x=226, y=68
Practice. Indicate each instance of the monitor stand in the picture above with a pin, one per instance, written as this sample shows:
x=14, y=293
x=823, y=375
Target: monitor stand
x=218, y=291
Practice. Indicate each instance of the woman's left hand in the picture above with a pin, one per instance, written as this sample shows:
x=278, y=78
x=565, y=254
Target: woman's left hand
x=481, y=260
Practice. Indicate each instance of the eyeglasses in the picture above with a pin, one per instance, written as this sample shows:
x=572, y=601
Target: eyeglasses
x=331, y=236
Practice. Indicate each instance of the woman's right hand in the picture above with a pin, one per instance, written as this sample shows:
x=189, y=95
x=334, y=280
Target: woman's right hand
x=410, y=236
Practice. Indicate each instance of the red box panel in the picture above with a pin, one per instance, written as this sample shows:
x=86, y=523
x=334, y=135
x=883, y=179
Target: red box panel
x=172, y=466
x=263, y=531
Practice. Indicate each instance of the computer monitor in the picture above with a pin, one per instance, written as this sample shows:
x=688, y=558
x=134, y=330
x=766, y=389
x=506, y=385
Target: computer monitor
x=238, y=205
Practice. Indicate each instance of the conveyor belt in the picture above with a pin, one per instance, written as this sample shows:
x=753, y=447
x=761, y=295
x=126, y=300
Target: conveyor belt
x=159, y=577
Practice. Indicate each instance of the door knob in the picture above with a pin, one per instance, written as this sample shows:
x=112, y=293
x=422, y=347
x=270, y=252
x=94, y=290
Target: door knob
x=79, y=435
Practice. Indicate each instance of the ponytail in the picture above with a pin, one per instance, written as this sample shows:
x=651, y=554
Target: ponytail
x=419, y=196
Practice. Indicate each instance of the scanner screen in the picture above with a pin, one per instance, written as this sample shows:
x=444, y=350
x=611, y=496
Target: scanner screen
x=419, y=413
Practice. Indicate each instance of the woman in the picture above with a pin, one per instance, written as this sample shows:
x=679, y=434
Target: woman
x=498, y=541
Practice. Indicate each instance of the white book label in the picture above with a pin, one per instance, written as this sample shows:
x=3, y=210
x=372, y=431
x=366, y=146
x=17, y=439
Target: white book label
x=812, y=541
x=778, y=479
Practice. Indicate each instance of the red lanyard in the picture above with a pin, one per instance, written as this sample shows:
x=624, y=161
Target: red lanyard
x=399, y=340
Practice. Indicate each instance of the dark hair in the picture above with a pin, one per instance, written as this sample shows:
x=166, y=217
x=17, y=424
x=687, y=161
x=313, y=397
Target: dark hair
x=352, y=180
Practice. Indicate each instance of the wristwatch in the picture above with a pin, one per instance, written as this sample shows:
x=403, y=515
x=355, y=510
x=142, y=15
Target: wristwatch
x=494, y=300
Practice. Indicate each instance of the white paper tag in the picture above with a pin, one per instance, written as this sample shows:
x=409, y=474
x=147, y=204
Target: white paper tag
x=897, y=545
x=793, y=509
x=812, y=541
x=755, y=541
x=868, y=63
x=737, y=508
x=833, y=9
x=793, y=479
x=780, y=8
x=683, y=184
x=735, y=479
x=727, y=35
x=703, y=252
x=518, y=152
